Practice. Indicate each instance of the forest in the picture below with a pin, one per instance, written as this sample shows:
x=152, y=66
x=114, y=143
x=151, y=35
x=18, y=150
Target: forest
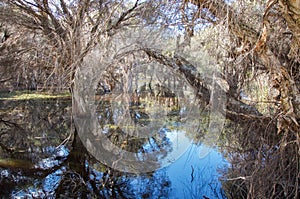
x=227, y=71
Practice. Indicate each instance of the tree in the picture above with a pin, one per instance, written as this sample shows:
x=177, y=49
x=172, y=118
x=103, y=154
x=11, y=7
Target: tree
x=278, y=64
x=67, y=31
x=272, y=48
x=253, y=38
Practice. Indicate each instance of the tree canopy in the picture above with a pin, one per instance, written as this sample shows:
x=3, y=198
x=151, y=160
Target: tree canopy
x=253, y=46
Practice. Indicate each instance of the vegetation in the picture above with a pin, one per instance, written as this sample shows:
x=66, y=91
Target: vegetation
x=29, y=95
x=251, y=47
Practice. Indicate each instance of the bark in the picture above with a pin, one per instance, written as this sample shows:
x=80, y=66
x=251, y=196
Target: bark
x=290, y=10
x=282, y=79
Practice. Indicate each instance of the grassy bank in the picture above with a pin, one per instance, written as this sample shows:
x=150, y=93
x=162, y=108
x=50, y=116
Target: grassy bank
x=29, y=95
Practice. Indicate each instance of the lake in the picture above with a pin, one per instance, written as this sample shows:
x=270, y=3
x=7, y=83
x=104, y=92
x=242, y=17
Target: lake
x=41, y=155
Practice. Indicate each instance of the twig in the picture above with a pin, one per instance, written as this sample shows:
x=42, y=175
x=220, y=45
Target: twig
x=239, y=178
x=192, y=174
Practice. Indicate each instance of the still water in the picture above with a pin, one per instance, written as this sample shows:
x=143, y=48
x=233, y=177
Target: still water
x=42, y=157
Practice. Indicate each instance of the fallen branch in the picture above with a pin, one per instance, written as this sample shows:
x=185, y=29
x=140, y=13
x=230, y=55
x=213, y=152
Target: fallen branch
x=235, y=110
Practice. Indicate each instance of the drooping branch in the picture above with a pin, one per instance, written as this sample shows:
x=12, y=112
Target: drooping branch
x=71, y=30
x=235, y=110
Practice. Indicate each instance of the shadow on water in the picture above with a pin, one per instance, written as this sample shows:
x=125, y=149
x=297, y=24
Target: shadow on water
x=41, y=155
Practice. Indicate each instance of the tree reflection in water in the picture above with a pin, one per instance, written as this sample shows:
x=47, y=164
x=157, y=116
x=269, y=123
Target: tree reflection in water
x=37, y=161
x=31, y=164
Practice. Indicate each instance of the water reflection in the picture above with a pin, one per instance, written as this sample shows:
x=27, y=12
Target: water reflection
x=39, y=159
x=195, y=177
x=151, y=128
